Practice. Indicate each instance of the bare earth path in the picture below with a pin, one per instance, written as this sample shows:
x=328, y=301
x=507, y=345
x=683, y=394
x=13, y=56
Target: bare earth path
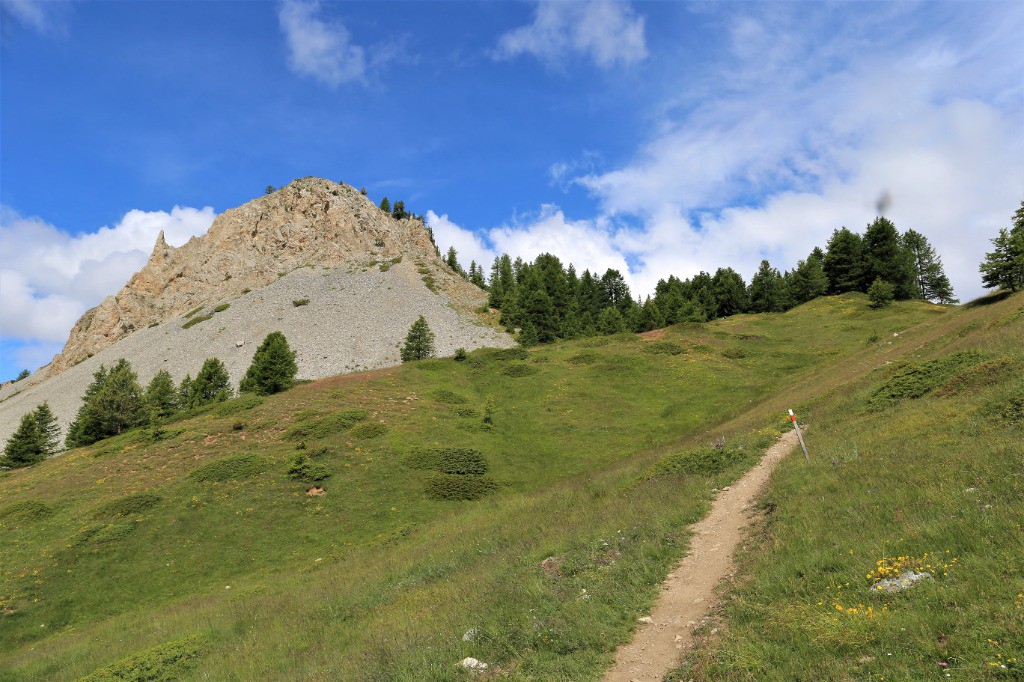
x=688, y=593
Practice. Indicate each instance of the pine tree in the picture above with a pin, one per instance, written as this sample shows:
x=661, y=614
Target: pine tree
x=729, y=291
x=273, y=367
x=49, y=430
x=844, y=262
x=25, y=446
x=185, y=392
x=161, y=397
x=615, y=291
x=211, y=385
x=23, y=374
x=881, y=293
x=808, y=280
x=398, y=212
x=385, y=205
x=452, y=259
x=886, y=258
x=1004, y=266
x=610, y=321
x=931, y=278
x=767, y=294
x=419, y=342
x=112, y=404
x=84, y=430
x=651, y=316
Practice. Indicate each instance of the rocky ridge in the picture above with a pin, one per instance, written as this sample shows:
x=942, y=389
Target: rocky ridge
x=310, y=222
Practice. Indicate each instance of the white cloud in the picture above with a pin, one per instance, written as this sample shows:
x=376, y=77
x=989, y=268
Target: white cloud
x=610, y=33
x=468, y=245
x=51, y=277
x=320, y=49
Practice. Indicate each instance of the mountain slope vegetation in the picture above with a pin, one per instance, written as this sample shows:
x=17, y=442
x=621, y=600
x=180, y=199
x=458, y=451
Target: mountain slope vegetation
x=300, y=536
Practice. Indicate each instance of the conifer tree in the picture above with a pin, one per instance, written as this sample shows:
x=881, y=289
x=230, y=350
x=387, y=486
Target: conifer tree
x=398, y=211
x=881, y=293
x=610, y=321
x=161, y=397
x=112, y=404
x=1003, y=267
x=767, y=293
x=844, y=262
x=651, y=316
x=385, y=205
x=419, y=342
x=273, y=367
x=211, y=385
x=931, y=278
x=25, y=446
x=49, y=430
x=452, y=259
x=185, y=392
x=729, y=291
x=886, y=258
x=808, y=280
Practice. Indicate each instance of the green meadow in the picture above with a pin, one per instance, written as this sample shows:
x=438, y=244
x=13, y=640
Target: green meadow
x=521, y=507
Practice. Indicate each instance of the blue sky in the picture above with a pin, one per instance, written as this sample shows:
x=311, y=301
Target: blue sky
x=659, y=138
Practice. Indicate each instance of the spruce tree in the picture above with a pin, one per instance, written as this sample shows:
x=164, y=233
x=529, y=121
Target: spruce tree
x=419, y=342
x=385, y=205
x=1003, y=267
x=610, y=321
x=161, y=397
x=25, y=446
x=730, y=292
x=398, y=212
x=767, y=294
x=651, y=316
x=273, y=367
x=886, y=258
x=85, y=430
x=881, y=293
x=49, y=430
x=844, y=262
x=211, y=385
x=808, y=280
x=112, y=404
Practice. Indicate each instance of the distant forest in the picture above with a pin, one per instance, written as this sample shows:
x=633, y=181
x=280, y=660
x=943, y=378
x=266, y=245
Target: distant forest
x=544, y=301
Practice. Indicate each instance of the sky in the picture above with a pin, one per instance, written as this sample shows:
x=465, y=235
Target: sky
x=655, y=138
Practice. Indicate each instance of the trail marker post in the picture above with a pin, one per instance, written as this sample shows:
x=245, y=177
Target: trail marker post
x=792, y=418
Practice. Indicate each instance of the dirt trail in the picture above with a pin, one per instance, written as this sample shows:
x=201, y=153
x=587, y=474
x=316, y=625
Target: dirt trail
x=688, y=593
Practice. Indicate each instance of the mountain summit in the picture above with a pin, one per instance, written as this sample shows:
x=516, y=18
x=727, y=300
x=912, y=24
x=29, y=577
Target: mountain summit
x=315, y=260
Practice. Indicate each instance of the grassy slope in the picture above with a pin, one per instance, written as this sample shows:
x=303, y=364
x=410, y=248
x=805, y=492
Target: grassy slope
x=374, y=581
x=941, y=474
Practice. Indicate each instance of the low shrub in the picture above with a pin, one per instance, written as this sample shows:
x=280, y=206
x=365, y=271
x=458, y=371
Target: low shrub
x=196, y=320
x=704, y=461
x=25, y=511
x=228, y=408
x=978, y=377
x=664, y=348
x=1009, y=408
x=300, y=302
x=368, y=430
x=734, y=353
x=456, y=461
x=127, y=505
x=102, y=533
x=230, y=469
x=443, y=395
x=453, y=487
x=331, y=424
x=915, y=380
x=222, y=307
x=460, y=354
x=519, y=369
x=465, y=412
x=587, y=357
x=303, y=468
x=161, y=663
x=193, y=312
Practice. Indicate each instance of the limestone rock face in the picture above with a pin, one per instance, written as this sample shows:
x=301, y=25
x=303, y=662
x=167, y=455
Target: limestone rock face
x=311, y=222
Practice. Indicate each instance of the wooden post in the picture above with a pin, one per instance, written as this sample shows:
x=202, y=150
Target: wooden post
x=792, y=418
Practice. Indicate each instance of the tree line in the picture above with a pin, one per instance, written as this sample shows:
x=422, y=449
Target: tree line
x=544, y=301
x=115, y=402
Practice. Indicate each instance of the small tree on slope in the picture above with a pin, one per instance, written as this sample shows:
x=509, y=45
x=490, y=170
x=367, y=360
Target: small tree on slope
x=37, y=438
x=273, y=367
x=419, y=342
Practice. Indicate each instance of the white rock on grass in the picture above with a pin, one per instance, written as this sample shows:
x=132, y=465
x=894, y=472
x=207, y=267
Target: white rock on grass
x=470, y=663
x=904, y=582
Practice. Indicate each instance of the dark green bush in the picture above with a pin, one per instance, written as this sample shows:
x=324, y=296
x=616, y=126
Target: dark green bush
x=519, y=369
x=162, y=663
x=196, y=320
x=460, y=354
x=705, y=461
x=331, y=424
x=127, y=505
x=465, y=412
x=664, y=348
x=457, y=461
x=443, y=395
x=369, y=430
x=193, y=312
x=915, y=380
x=303, y=468
x=734, y=353
x=222, y=307
x=445, y=487
x=228, y=408
x=587, y=357
x=26, y=510
x=978, y=377
x=231, y=468
x=300, y=302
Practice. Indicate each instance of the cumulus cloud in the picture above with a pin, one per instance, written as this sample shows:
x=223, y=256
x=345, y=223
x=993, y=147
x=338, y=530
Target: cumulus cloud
x=610, y=33
x=51, y=277
x=320, y=49
x=806, y=127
